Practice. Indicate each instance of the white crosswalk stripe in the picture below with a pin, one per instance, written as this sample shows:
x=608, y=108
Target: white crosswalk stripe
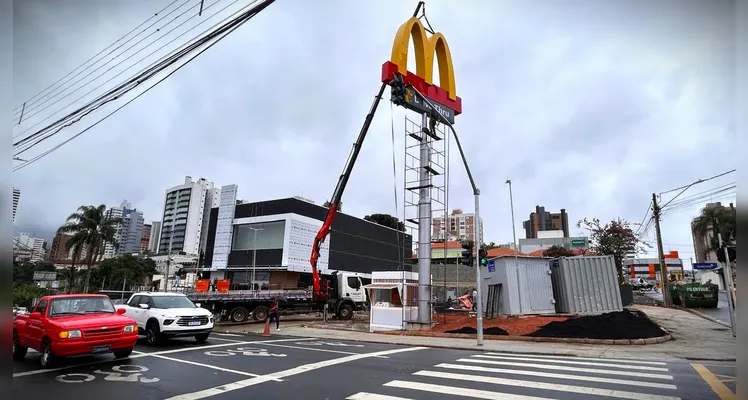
x=524, y=377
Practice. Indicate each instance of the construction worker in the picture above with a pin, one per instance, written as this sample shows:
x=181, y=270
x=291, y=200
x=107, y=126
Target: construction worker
x=274, y=314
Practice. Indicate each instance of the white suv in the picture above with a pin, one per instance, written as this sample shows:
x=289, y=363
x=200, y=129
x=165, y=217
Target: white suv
x=163, y=315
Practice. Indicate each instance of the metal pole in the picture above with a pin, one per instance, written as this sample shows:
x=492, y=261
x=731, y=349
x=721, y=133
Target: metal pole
x=122, y=295
x=693, y=272
x=478, y=280
x=424, y=226
x=254, y=257
x=514, y=235
x=728, y=283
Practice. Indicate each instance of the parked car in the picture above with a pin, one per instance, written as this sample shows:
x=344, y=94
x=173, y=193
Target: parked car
x=73, y=325
x=162, y=315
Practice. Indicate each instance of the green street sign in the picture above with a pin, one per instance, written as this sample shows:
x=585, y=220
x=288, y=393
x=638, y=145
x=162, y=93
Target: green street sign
x=578, y=242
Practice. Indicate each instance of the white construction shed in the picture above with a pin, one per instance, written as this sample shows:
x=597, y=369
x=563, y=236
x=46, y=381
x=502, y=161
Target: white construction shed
x=517, y=286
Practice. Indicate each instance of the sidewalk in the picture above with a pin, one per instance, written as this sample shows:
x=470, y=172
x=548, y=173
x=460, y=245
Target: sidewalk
x=694, y=338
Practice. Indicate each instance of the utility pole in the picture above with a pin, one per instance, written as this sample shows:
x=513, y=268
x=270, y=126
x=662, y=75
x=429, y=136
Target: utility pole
x=514, y=236
x=661, y=254
x=728, y=285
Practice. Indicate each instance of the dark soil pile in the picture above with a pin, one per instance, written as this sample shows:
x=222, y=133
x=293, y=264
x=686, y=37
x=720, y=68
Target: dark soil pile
x=627, y=324
x=473, y=331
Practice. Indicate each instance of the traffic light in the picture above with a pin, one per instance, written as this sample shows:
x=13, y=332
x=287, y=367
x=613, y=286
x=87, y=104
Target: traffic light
x=467, y=254
x=397, y=93
x=483, y=257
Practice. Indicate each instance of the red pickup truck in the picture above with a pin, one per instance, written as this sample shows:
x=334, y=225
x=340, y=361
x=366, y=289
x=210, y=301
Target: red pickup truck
x=73, y=325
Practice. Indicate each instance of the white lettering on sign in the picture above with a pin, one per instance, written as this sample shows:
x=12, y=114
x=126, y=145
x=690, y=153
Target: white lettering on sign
x=245, y=351
x=119, y=373
x=338, y=344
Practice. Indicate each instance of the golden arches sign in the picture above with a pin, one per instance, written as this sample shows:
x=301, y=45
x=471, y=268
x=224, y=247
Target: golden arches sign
x=426, y=48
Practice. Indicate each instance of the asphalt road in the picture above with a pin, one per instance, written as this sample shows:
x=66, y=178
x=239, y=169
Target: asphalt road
x=232, y=366
x=722, y=312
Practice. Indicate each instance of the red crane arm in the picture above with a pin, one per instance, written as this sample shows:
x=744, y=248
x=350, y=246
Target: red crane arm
x=337, y=195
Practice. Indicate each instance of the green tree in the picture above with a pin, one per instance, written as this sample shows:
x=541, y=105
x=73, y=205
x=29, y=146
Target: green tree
x=717, y=220
x=24, y=293
x=127, y=269
x=24, y=272
x=386, y=220
x=92, y=230
x=489, y=246
x=557, y=251
x=615, y=238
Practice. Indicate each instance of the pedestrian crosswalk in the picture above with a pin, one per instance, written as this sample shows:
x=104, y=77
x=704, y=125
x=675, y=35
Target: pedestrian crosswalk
x=525, y=376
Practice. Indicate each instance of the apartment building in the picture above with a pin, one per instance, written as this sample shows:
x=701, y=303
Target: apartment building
x=59, y=252
x=129, y=231
x=458, y=226
x=184, y=225
x=28, y=248
x=154, y=236
x=145, y=238
x=702, y=244
x=16, y=199
x=541, y=220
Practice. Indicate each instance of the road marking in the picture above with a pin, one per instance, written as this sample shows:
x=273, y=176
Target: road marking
x=578, y=358
x=226, y=340
x=557, y=376
x=547, y=386
x=462, y=392
x=228, y=334
x=139, y=354
x=565, y=368
x=286, y=373
x=592, y=364
x=373, y=396
x=315, y=349
x=717, y=386
x=233, y=371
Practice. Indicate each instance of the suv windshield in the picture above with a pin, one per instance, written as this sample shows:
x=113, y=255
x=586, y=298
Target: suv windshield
x=172, y=302
x=81, y=305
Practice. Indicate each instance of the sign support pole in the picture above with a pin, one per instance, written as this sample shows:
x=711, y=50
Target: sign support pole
x=728, y=286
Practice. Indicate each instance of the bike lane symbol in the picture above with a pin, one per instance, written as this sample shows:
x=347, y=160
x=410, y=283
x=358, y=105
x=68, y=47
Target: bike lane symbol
x=119, y=373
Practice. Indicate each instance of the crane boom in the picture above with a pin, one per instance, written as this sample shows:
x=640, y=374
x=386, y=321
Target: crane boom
x=324, y=231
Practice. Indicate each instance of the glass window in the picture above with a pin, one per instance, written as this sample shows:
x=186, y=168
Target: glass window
x=135, y=302
x=41, y=307
x=81, y=305
x=171, y=302
x=269, y=236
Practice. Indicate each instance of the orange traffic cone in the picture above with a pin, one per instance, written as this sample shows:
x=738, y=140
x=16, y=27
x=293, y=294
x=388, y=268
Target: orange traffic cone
x=267, y=328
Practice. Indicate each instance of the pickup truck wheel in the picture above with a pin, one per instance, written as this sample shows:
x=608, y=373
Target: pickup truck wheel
x=48, y=358
x=202, y=338
x=19, y=352
x=152, y=334
x=345, y=312
x=122, y=353
x=260, y=313
x=239, y=314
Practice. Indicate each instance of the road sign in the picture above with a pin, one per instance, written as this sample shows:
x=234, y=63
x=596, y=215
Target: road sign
x=578, y=243
x=491, y=266
x=705, y=266
x=45, y=276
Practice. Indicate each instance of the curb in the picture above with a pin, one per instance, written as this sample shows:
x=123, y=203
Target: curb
x=619, y=342
x=706, y=317
x=711, y=359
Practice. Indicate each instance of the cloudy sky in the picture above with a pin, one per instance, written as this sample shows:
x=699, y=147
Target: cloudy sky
x=585, y=105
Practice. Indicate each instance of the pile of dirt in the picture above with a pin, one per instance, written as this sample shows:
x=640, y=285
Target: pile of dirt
x=486, y=331
x=515, y=326
x=627, y=324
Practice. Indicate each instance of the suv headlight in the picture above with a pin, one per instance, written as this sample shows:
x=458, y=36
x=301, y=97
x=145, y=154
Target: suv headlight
x=131, y=328
x=70, y=334
x=169, y=321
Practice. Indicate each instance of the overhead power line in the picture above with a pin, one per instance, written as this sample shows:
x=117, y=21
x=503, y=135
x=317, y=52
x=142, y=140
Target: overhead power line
x=697, y=182
x=208, y=39
x=28, y=103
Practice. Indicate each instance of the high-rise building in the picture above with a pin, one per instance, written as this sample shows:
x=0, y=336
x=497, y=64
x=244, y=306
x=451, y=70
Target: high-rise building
x=129, y=230
x=542, y=220
x=458, y=226
x=702, y=245
x=28, y=248
x=184, y=225
x=153, y=237
x=16, y=199
x=59, y=251
x=145, y=238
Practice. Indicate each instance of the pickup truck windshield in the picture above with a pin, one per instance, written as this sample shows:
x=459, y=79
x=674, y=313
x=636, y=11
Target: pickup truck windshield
x=80, y=305
x=172, y=302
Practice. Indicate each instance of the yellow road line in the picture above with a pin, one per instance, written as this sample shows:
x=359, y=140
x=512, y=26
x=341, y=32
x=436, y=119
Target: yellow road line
x=717, y=386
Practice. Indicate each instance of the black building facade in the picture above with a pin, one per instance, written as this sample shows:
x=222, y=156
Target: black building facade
x=356, y=245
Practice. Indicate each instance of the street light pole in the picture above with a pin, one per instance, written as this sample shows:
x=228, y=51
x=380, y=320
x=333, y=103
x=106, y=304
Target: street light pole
x=514, y=236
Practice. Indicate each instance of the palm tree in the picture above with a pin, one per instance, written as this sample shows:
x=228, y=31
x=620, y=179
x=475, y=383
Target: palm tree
x=92, y=229
x=717, y=220
x=76, y=245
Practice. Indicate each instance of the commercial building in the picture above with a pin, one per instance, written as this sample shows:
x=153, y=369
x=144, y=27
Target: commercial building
x=16, y=199
x=457, y=226
x=542, y=220
x=649, y=268
x=185, y=217
x=549, y=238
x=154, y=236
x=272, y=241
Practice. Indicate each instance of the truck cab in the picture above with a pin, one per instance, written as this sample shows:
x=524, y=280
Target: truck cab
x=348, y=294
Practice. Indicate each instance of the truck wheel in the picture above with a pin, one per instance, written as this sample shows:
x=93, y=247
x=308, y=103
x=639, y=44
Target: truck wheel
x=48, y=358
x=202, y=338
x=122, y=353
x=260, y=313
x=239, y=314
x=19, y=352
x=345, y=312
x=152, y=333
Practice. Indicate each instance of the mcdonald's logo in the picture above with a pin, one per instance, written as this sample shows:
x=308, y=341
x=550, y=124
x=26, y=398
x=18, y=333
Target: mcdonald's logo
x=426, y=49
